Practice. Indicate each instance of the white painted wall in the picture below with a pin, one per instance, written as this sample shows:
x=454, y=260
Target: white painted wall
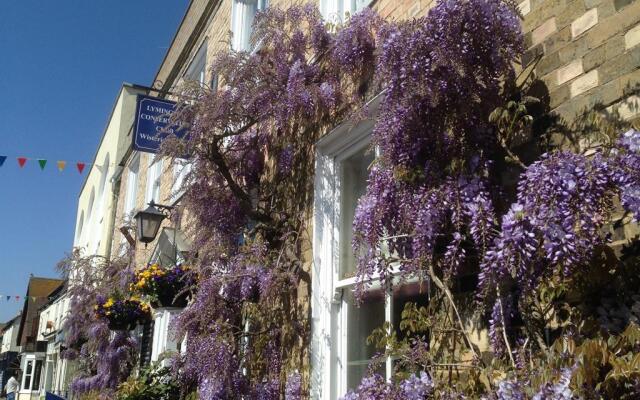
x=10, y=337
x=54, y=313
x=94, y=227
x=163, y=340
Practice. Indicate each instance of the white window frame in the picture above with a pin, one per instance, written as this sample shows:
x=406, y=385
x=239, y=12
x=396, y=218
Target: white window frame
x=328, y=345
x=154, y=179
x=197, y=70
x=241, y=23
x=335, y=11
x=329, y=303
x=104, y=182
x=80, y=229
x=181, y=168
x=133, y=172
x=30, y=359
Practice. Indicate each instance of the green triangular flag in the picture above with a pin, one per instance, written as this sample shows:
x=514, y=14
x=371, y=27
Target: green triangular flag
x=42, y=163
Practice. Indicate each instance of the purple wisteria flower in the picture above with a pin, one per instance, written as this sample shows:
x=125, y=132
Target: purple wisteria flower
x=417, y=386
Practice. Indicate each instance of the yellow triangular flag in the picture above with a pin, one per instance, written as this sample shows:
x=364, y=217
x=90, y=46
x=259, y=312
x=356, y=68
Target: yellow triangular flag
x=61, y=165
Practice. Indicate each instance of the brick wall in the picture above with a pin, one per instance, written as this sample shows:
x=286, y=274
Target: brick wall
x=590, y=52
x=590, y=49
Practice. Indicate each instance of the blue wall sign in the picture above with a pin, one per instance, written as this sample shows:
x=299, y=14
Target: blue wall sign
x=151, y=124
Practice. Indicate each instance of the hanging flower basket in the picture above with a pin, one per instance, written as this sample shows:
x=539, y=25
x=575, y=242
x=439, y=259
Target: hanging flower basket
x=164, y=287
x=122, y=325
x=170, y=299
x=122, y=315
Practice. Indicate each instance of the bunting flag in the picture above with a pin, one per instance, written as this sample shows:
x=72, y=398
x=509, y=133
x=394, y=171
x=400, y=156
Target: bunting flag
x=22, y=161
x=61, y=165
x=2, y=159
x=80, y=166
x=42, y=163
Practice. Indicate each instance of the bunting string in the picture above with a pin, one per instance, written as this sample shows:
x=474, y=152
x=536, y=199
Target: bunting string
x=23, y=162
x=16, y=298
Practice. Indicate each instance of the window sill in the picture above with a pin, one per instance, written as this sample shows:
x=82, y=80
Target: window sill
x=374, y=281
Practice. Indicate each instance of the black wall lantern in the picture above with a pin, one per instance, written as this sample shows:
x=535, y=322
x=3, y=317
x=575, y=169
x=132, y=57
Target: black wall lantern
x=148, y=221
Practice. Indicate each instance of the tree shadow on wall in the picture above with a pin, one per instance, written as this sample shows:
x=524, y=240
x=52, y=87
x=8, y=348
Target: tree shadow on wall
x=593, y=127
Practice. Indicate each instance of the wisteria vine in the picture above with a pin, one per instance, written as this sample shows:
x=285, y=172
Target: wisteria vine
x=447, y=199
x=102, y=359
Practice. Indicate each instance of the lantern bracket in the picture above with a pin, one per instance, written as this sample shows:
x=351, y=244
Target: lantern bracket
x=166, y=210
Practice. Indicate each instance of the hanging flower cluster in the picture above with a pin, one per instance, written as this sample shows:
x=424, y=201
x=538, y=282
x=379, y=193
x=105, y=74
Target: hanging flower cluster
x=164, y=287
x=122, y=314
x=434, y=193
x=438, y=206
x=249, y=193
x=103, y=358
x=443, y=73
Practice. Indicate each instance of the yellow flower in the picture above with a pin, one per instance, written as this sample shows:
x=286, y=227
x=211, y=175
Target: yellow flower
x=108, y=303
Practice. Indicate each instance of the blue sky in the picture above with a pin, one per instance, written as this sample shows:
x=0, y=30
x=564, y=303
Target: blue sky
x=61, y=66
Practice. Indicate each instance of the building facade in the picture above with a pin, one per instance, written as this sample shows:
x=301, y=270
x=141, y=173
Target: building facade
x=32, y=348
x=9, y=350
x=93, y=238
x=584, y=53
x=56, y=371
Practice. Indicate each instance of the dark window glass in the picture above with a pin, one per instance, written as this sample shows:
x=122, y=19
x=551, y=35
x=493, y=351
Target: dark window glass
x=36, y=375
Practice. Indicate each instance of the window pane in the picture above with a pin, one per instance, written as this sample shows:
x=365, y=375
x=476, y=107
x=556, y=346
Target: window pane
x=361, y=321
x=355, y=172
x=36, y=375
x=244, y=13
x=132, y=186
x=197, y=69
x=336, y=11
x=358, y=5
x=416, y=293
x=27, y=376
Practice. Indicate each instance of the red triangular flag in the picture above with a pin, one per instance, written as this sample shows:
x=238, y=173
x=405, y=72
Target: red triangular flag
x=80, y=166
x=22, y=161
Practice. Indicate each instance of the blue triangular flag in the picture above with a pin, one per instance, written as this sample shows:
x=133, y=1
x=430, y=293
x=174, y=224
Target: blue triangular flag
x=2, y=158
